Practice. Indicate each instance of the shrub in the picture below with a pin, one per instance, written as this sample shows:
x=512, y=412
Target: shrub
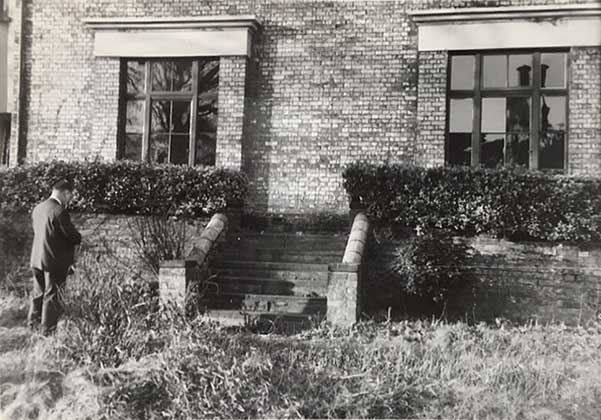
x=126, y=187
x=509, y=202
x=157, y=239
x=432, y=265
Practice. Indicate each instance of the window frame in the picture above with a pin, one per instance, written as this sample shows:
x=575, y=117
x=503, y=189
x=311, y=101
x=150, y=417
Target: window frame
x=534, y=92
x=148, y=95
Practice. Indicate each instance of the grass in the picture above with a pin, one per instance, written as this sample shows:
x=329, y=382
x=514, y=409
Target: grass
x=119, y=355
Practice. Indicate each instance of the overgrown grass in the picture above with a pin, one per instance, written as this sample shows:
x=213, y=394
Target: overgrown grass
x=119, y=355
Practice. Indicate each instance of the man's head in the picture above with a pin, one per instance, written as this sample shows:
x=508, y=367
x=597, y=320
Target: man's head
x=63, y=191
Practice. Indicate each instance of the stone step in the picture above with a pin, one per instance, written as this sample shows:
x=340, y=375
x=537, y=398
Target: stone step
x=286, y=271
x=270, y=274
x=268, y=303
x=270, y=265
x=254, y=285
x=282, y=255
x=235, y=318
x=292, y=242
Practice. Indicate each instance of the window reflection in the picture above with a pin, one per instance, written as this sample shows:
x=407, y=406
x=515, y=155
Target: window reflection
x=553, y=129
x=170, y=96
x=553, y=70
x=520, y=70
x=460, y=131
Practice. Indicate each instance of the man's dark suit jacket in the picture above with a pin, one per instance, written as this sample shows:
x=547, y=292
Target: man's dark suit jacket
x=54, y=238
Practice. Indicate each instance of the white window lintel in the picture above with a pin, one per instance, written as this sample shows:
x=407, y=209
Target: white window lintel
x=196, y=36
x=509, y=27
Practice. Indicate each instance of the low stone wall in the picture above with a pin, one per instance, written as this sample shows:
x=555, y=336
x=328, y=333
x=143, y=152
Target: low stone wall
x=119, y=234
x=518, y=281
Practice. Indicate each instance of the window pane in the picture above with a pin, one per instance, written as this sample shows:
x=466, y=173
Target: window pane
x=171, y=76
x=551, y=149
x=553, y=112
x=181, y=117
x=160, y=119
x=491, y=149
x=518, y=149
x=134, y=127
x=518, y=114
x=552, y=139
x=494, y=71
x=460, y=117
x=520, y=70
x=208, y=76
x=135, y=77
x=462, y=72
x=459, y=149
x=134, y=121
x=493, y=115
x=553, y=70
x=159, y=147
x=133, y=146
x=207, y=112
x=180, y=145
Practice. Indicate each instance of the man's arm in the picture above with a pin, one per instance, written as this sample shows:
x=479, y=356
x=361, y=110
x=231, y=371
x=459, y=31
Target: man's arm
x=64, y=225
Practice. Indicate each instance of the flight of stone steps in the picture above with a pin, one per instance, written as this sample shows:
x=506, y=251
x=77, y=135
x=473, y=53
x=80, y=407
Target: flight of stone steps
x=273, y=277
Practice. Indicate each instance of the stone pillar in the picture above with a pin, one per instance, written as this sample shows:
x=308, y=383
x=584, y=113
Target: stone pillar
x=344, y=281
x=174, y=278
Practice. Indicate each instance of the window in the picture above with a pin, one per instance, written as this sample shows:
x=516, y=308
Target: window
x=169, y=111
x=507, y=108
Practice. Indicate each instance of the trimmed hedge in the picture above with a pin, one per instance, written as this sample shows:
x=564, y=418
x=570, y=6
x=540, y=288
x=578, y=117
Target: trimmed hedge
x=126, y=187
x=512, y=203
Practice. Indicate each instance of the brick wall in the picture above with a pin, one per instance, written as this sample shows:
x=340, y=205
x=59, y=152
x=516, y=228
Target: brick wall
x=431, y=108
x=584, y=123
x=334, y=81
x=107, y=233
x=517, y=281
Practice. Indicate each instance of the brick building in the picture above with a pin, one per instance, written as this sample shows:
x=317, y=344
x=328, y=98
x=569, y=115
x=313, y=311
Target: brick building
x=291, y=91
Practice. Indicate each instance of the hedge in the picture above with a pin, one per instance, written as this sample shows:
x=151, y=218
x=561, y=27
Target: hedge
x=126, y=187
x=512, y=203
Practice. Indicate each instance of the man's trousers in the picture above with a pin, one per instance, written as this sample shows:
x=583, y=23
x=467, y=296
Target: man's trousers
x=45, y=305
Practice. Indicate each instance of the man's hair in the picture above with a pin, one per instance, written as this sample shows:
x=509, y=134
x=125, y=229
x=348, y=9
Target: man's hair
x=63, y=185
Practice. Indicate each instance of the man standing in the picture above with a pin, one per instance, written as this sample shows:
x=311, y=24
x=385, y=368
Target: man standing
x=52, y=253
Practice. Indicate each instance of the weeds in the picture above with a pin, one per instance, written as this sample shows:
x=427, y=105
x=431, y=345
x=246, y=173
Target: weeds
x=120, y=355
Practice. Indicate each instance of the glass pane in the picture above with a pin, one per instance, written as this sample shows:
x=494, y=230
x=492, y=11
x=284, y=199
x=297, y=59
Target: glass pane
x=171, y=76
x=552, y=139
x=551, y=149
x=517, y=149
x=460, y=116
x=134, y=120
x=494, y=71
x=208, y=75
x=133, y=147
x=180, y=145
x=553, y=112
x=553, y=70
x=462, y=72
x=160, y=75
x=206, y=142
x=459, y=149
x=160, y=119
x=159, y=147
x=520, y=70
x=493, y=115
x=181, y=117
x=518, y=114
x=135, y=77
x=492, y=150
